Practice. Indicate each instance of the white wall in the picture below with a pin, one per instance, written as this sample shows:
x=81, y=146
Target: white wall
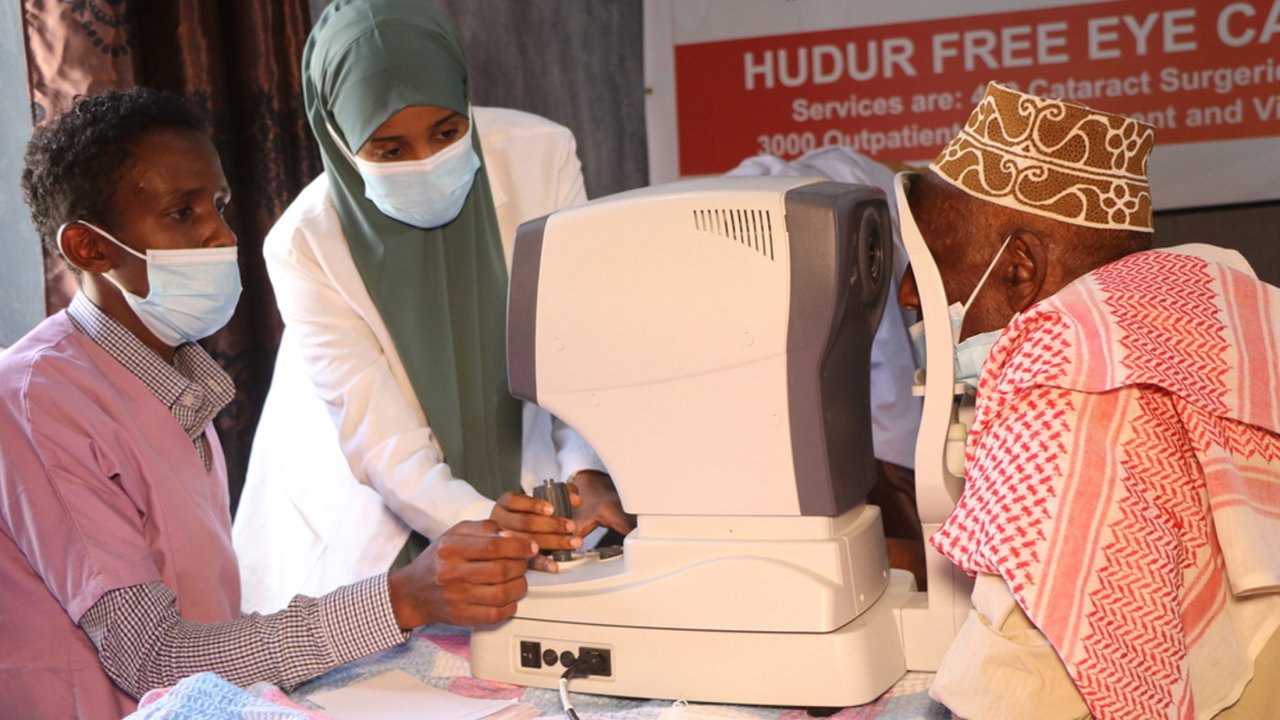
x=21, y=271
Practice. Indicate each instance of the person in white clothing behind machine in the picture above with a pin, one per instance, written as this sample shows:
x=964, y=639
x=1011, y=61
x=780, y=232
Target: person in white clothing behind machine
x=389, y=417
x=895, y=412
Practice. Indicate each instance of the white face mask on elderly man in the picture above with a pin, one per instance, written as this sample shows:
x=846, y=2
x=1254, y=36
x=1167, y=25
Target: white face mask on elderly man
x=971, y=352
x=193, y=292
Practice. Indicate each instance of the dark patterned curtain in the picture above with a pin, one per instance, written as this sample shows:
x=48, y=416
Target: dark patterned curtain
x=239, y=61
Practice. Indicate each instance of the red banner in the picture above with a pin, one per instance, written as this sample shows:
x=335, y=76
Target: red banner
x=1199, y=72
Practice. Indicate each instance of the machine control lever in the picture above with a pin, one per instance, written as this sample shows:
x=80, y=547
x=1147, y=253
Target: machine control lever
x=556, y=493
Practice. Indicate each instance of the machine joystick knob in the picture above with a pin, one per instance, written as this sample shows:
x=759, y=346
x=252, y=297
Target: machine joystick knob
x=556, y=493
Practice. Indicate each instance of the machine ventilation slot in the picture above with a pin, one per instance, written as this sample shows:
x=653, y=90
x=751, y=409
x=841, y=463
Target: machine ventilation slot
x=751, y=228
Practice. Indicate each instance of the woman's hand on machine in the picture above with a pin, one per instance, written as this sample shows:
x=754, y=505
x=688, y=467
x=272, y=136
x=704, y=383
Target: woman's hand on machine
x=600, y=504
x=535, y=519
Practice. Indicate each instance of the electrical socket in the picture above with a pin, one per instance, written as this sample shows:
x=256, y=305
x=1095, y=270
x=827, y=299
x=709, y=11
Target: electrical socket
x=596, y=661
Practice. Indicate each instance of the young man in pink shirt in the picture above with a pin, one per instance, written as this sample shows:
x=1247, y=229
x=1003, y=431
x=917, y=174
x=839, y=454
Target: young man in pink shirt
x=117, y=573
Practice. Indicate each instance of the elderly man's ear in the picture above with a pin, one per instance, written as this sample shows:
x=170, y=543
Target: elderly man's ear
x=1028, y=258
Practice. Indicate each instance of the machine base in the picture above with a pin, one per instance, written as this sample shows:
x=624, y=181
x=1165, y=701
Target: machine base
x=851, y=665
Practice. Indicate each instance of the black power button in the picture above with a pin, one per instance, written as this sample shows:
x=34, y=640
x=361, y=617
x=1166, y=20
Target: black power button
x=530, y=654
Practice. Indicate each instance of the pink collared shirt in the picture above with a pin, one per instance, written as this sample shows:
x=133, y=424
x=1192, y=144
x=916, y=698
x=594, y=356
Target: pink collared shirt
x=100, y=489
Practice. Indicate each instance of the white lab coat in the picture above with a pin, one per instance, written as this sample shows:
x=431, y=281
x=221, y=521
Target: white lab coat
x=344, y=461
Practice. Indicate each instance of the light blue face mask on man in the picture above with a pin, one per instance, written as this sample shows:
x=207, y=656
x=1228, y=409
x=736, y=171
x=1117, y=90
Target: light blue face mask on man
x=971, y=352
x=193, y=293
x=423, y=193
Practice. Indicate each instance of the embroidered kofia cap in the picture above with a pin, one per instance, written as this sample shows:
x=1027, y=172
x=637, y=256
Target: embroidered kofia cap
x=1053, y=158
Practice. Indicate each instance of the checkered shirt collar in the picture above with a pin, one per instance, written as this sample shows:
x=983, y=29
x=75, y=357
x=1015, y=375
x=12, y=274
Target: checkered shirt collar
x=194, y=388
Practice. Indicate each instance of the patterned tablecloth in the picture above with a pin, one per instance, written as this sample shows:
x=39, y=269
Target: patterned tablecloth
x=441, y=656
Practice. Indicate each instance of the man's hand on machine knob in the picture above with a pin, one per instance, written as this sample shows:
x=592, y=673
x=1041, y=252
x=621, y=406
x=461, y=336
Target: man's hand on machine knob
x=473, y=574
x=535, y=519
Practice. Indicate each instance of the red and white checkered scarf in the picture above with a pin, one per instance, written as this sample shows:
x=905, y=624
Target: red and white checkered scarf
x=1123, y=477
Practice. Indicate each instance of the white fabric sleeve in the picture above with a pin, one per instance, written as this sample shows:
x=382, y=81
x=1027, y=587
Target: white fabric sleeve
x=383, y=434
x=573, y=453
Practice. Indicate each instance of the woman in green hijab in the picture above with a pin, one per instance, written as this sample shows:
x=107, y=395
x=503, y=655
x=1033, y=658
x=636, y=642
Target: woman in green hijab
x=390, y=271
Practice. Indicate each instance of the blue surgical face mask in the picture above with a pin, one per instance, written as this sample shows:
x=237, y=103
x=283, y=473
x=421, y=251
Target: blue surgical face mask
x=193, y=293
x=971, y=352
x=423, y=193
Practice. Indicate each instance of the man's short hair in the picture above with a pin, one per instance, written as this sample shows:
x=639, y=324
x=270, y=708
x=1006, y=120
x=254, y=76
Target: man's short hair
x=74, y=163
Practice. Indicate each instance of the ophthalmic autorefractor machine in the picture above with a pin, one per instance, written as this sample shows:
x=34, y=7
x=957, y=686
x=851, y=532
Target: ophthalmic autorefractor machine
x=711, y=340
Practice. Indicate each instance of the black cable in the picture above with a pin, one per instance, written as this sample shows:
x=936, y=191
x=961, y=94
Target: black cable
x=577, y=669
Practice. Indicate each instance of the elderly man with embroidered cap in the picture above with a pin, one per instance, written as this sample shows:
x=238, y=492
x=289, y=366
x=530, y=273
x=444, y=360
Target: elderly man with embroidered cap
x=1122, y=500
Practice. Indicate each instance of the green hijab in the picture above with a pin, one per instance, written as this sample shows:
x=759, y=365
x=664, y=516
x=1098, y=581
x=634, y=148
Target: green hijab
x=441, y=292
